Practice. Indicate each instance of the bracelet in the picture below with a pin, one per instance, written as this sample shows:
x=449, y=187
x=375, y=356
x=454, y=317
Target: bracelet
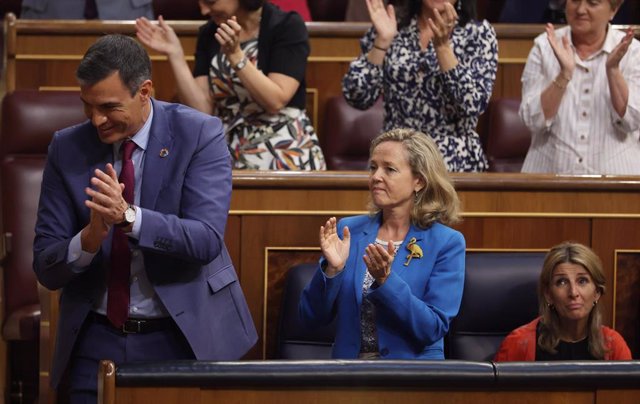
x=560, y=86
x=380, y=48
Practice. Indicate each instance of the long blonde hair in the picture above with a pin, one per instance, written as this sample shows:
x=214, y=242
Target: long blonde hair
x=438, y=200
x=574, y=253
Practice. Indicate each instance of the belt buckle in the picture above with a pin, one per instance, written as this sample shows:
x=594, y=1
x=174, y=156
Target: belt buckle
x=132, y=326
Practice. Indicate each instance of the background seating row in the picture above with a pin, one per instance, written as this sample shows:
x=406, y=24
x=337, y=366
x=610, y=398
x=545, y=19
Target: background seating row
x=349, y=131
x=499, y=295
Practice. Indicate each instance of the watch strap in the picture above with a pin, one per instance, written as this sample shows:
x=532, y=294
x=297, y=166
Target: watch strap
x=241, y=64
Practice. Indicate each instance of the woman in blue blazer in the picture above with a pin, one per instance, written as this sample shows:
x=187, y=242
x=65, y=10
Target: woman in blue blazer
x=393, y=278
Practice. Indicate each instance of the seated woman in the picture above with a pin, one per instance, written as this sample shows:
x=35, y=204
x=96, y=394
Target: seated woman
x=249, y=70
x=581, y=95
x=570, y=324
x=435, y=70
x=397, y=300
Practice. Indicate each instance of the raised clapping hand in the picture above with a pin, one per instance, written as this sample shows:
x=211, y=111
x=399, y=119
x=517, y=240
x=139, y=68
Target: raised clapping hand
x=613, y=60
x=443, y=24
x=159, y=37
x=384, y=22
x=563, y=51
x=228, y=36
x=334, y=250
x=106, y=207
x=106, y=195
x=378, y=261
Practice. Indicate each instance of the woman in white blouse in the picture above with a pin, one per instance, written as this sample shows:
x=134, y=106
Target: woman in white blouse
x=581, y=95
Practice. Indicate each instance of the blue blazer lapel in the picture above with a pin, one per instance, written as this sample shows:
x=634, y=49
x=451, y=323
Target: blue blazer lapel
x=156, y=161
x=369, y=235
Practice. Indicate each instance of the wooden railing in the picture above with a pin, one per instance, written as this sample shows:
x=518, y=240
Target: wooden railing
x=385, y=381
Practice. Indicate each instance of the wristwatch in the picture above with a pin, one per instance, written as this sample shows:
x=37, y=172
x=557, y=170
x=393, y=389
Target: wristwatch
x=129, y=216
x=241, y=64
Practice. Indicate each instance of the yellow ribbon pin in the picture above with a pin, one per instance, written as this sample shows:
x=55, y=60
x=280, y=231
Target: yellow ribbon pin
x=414, y=251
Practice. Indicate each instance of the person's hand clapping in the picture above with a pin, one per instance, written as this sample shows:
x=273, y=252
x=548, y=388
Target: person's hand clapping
x=378, y=261
x=563, y=51
x=160, y=37
x=228, y=36
x=616, y=55
x=443, y=24
x=384, y=22
x=106, y=195
x=334, y=249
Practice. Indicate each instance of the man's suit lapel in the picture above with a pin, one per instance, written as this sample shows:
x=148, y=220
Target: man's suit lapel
x=157, y=158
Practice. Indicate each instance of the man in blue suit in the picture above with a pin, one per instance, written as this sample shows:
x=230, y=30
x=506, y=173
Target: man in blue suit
x=183, y=296
x=80, y=9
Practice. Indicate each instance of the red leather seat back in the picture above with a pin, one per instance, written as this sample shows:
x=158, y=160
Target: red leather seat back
x=327, y=10
x=348, y=133
x=508, y=138
x=29, y=119
x=177, y=10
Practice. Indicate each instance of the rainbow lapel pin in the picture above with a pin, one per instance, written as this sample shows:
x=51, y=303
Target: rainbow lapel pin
x=414, y=251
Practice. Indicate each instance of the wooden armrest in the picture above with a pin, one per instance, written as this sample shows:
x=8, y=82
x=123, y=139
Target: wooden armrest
x=48, y=324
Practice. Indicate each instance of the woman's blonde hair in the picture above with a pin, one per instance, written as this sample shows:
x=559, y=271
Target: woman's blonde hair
x=438, y=200
x=574, y=253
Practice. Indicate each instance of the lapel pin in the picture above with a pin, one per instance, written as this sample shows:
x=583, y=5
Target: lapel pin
x=414, y=251
x=164, y=152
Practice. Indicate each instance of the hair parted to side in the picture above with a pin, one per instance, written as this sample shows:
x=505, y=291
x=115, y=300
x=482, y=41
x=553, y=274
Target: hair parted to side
x=579, y=254
x=438, y=200
x=407, y=9
x=113, y=53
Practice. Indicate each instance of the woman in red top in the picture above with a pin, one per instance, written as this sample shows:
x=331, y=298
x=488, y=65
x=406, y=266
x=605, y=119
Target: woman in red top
x=570, y=323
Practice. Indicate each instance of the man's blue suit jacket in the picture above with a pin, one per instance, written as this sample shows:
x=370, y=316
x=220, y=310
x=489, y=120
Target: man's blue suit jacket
x=184, y=201
x=415, y=304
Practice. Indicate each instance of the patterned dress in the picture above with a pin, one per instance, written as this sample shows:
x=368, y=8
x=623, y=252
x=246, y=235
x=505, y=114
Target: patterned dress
x=417, y=95
x=368, y=331
x=259, y=140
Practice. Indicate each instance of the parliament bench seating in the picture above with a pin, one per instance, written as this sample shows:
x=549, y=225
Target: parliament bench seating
x=499, y=295
x=347, y=134
x=29, y=119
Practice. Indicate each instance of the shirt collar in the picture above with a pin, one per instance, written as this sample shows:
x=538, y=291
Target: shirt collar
x=609, y=44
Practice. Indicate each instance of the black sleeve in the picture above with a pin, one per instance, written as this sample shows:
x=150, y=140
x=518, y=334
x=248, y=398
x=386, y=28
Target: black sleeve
x=205, y=49
x=290, y=48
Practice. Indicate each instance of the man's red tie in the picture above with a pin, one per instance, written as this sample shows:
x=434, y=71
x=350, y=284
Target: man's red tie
x=118, y=292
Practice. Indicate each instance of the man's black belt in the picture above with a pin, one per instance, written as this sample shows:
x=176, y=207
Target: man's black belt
x=135, y=325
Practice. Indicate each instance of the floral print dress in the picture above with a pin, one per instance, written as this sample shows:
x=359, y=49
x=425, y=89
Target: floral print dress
x=417, y=95
x=258, y=140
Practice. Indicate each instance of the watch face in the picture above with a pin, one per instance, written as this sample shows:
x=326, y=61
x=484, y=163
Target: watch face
x=130, y=214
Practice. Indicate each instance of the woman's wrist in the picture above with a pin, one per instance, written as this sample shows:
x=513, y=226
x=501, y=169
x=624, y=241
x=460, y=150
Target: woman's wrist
x=380, y=48
x=235, y=58
x=562, y=80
